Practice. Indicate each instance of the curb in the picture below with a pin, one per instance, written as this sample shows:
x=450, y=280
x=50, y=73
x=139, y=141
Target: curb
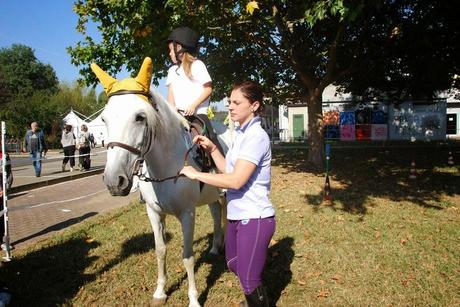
x=39, y=184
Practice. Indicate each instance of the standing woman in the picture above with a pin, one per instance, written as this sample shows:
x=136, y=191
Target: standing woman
x=68, y=144
x=84, y=148
x=245, y=172
x=188, y=81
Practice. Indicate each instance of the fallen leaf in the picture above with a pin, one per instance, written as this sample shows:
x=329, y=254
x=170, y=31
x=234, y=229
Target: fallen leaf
x=89, y=240
x=301, y=282
x=179, y=270
x=229, y=284
x=323, y=293
x=335, y=277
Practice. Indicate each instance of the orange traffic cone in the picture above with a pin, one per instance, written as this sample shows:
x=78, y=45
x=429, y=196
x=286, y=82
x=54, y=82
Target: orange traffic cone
x=450, y=160
x=327, y=190
x=413, y=171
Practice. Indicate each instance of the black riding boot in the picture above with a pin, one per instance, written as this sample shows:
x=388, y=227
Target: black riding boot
x=258, y=297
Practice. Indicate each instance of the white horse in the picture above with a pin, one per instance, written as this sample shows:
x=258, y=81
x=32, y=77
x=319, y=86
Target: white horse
x=142, y=125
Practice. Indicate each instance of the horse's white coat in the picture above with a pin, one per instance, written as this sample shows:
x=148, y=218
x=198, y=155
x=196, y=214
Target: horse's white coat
x=164, y=158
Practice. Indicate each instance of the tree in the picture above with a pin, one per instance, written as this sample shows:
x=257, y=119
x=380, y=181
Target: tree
x=294, y=48
x=23, y=74
x=78, y=97
x=25, y=87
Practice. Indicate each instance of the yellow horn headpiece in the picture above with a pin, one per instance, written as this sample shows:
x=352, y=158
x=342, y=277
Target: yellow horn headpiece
x=140, y=83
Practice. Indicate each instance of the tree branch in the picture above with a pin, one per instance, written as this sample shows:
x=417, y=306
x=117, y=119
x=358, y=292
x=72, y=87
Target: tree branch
x=328, y=77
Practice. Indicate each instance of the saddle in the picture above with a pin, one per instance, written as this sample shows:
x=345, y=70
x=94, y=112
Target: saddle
x=201, y=157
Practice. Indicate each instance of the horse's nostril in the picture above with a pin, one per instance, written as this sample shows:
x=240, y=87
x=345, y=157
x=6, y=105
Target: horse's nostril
x=121, y=180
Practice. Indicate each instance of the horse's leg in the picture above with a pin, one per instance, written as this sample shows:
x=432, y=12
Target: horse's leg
x=158, y=225
x=218, y=236
x=187, y=220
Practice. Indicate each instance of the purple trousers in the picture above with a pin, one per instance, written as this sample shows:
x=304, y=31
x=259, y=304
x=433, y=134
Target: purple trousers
x=246, y=245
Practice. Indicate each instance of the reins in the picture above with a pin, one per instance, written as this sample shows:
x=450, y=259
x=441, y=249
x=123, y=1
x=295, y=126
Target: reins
x=140, y=161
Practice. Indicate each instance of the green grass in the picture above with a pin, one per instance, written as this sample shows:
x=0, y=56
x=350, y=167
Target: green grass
x=384, y=241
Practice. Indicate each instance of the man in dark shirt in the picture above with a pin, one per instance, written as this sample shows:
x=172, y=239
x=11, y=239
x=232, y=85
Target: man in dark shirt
x=35, y=145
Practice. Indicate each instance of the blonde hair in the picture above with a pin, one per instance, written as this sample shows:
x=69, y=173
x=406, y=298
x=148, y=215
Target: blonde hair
x=187, y=62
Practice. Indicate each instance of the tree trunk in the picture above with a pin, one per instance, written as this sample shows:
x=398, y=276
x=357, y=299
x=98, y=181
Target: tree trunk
x=315, y=128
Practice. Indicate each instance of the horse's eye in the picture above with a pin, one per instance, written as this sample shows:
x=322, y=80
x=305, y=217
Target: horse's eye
x=140, y=117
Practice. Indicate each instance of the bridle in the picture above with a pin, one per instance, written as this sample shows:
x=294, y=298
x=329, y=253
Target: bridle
x=147, y=140
x=127, y=147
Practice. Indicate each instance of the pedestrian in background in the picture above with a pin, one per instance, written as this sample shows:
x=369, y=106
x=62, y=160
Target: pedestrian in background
x=68, y=144
x=84, y=148
x=102, y=139
x=35, y=145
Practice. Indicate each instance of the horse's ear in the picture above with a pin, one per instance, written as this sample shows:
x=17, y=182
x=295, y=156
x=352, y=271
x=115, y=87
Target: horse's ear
x=106, y=80
x=144, y=77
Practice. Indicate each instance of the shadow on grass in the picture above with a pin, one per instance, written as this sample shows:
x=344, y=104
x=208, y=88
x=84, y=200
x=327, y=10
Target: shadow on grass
x=57, y=227
x=361, y=172
x=50, y=276
x=277, y=274
x=137, y=245
x=218, y=267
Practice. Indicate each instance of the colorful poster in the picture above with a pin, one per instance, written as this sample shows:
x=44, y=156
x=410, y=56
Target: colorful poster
x=363, y=132
x=331, y=118
x=379, y=132
x=379, y=117
x=332, y=132
x=347, y=132
x=347, y=118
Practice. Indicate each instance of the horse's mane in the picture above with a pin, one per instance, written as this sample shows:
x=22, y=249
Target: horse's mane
x=168, y=118
x=166, y=115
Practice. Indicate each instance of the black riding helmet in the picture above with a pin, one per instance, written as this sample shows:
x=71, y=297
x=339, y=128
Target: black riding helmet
x=186, y=37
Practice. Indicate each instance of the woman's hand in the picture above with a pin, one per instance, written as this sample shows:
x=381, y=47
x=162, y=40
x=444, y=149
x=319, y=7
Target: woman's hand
x=190, y=110
x=205, y=143
x=189, y=172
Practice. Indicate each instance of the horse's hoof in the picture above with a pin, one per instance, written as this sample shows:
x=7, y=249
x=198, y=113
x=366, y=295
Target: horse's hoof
x=159, y=301
x=211, y=257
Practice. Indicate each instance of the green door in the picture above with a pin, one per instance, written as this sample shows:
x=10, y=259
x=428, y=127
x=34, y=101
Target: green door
x=298, y=126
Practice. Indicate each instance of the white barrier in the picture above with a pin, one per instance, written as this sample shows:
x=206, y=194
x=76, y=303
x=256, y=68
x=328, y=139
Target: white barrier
x=4, y=212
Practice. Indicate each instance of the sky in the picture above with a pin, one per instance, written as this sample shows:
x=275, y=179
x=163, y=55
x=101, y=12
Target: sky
x=48, y=27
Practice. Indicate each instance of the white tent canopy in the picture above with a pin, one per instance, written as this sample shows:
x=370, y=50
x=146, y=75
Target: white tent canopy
x=96, y=126
x=74, y=120
x=98, y=129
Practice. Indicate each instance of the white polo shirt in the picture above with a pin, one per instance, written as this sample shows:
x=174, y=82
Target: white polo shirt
x=251, y=201
x=185, y=90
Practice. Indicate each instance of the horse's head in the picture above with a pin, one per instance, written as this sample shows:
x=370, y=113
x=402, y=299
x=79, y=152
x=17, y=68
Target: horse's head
x=126, y=116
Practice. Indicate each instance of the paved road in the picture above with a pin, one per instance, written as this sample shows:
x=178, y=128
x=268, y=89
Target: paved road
x=24, y=174
x=36, y=212
x=44, y=211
